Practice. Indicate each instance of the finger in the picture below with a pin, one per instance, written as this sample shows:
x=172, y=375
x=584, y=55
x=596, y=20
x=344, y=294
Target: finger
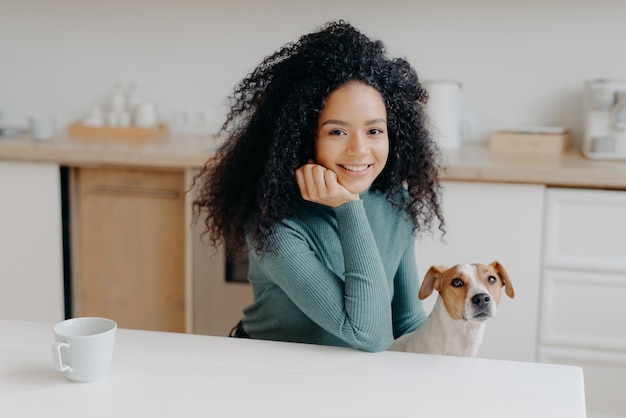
x=308, y=188
x=330, y=179
x=302, y=183
x=319, y=179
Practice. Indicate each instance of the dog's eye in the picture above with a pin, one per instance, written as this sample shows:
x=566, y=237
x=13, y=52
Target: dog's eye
x=457, y=282
x=491, y=279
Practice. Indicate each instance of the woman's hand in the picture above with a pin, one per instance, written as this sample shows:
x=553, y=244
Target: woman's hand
x=319, y=185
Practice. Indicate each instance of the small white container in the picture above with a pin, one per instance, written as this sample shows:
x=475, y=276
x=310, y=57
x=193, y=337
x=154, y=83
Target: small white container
x=145, y=115
x=42, y=127
x=95, y=118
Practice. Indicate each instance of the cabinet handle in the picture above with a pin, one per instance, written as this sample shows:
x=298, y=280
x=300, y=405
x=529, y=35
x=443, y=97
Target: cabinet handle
x=135, y=191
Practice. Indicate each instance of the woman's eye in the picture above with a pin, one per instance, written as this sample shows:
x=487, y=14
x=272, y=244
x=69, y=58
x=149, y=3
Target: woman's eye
x=457, y=282
x=336, y=132
x=375, y=131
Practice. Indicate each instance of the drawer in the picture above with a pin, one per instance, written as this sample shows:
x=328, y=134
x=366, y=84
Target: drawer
x=130, y=182
x=583, y=309
x=585, y=229
x=605, y=378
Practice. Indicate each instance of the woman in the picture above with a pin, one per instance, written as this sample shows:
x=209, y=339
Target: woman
x=326, y=176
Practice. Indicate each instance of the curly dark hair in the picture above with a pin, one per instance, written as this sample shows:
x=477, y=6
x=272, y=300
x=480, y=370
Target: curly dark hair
x=249, y=185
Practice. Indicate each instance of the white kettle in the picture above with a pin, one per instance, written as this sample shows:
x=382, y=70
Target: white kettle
x=443, y=111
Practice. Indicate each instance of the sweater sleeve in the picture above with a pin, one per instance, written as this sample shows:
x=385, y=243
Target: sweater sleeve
x=408, y=313
x=356, y=307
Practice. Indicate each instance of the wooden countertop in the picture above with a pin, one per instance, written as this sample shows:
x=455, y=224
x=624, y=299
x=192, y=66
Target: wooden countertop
x=477, y=163
x=175, y=151
x=468, y=163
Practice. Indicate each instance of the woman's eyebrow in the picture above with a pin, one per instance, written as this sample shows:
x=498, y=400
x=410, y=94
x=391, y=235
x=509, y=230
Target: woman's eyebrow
x=344, y=123
x=335, y=122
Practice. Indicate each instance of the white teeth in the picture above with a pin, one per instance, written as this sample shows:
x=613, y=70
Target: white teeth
x=355, y=167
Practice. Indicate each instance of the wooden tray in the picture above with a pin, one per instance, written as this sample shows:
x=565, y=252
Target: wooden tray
x=77, y=130
x=529, y=143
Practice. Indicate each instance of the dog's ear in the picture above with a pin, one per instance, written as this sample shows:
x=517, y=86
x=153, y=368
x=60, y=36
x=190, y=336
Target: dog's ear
x=505, y=278
x=431, y=281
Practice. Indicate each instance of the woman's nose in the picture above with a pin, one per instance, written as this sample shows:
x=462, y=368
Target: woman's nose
x=356, y=145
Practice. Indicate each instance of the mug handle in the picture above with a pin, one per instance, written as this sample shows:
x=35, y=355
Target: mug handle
x=57, y=358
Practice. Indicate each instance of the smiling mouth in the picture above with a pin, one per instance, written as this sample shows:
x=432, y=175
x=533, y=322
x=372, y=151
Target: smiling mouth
x=355, y=168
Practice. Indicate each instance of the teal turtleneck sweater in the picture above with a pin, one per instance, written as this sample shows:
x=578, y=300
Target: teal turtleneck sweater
x=343, y=276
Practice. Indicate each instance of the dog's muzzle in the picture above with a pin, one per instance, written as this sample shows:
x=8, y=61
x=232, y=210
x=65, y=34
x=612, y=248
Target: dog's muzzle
x=482, y=303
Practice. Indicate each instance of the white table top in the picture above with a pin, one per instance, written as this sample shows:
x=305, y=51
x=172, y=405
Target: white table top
x=157, y=374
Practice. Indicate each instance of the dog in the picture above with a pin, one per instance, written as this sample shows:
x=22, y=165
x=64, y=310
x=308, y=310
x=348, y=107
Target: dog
x=469, y=295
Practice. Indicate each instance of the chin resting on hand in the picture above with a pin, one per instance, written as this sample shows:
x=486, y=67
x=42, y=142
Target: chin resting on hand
x=319, y=185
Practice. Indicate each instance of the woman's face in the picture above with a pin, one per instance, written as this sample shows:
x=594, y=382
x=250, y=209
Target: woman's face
x=352, y=136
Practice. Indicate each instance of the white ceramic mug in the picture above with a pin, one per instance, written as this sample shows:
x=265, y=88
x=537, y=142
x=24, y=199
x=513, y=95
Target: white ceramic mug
x=43, y=127
x=83, y=347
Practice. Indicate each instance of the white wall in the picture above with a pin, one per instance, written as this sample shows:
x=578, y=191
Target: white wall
x=521, y=62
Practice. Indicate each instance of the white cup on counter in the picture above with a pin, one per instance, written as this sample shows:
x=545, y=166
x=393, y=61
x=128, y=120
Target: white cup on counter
x=42, y=127
x=145, y=115
x=83, y=347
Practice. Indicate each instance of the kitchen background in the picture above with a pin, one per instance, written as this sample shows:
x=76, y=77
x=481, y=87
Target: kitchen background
x=520, y=62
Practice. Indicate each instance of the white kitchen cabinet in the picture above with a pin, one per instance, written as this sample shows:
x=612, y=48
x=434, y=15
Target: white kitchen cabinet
x=583, y=292
x=31, y=255
x=487, y=222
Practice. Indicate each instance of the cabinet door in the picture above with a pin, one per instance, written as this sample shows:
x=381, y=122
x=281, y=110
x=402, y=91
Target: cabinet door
x=585, y=229
x=487, y=222
x=130, y=250
x=31, y=255
x=583, y=309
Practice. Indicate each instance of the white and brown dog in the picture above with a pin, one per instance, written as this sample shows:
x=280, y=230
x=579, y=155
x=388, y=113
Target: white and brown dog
x=468, y=296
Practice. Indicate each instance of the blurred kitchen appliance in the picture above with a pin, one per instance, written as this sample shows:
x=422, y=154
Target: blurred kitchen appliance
x=443, y=108
x=605, y=119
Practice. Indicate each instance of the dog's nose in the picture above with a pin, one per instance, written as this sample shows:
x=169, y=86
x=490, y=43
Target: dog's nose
x=481, y=299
